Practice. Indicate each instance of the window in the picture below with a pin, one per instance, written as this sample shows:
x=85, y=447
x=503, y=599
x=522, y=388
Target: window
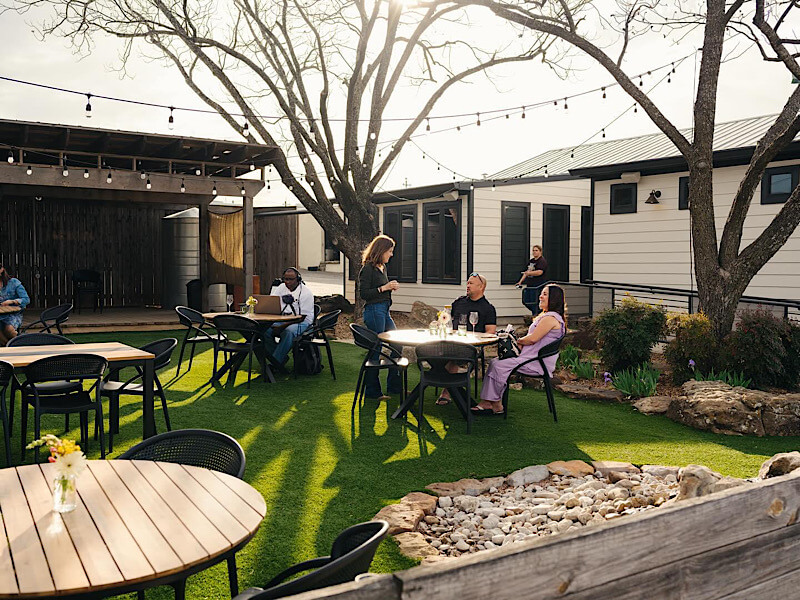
x=400, y=224
x=778, y=184
x=515, y=240
x=441, y=243
x=623, y=198
x=683, y=193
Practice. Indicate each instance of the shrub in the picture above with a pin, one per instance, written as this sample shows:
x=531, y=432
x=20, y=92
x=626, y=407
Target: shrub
x=567, y=357
x=791, y=365
x=694, y=341
x=583, y=369
x=756, y=349
x=732, y=379
x=637, y=382
x=627, y=333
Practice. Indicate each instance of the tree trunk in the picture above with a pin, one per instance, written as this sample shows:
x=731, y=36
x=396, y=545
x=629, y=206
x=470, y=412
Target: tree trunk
x=362, y=226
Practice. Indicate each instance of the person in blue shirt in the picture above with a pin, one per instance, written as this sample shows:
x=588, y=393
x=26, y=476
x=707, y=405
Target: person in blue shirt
x=11, y=294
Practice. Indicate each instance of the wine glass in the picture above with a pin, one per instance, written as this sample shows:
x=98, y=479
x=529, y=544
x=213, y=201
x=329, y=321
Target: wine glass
x=229, y=301
x=473, y=320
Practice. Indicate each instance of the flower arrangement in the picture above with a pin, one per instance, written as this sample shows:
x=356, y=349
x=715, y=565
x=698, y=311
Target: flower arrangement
x=251, y=304
x=443, y=317
x=69, y=462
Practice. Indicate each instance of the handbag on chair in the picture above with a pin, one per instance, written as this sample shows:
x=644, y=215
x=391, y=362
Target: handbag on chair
x=508, y=346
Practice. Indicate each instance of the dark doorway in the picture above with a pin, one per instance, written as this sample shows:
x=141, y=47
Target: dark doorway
x=555, y=239
x=587, y=252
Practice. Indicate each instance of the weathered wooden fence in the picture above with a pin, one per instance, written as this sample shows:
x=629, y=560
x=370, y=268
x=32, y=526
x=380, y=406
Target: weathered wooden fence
x=743, y=543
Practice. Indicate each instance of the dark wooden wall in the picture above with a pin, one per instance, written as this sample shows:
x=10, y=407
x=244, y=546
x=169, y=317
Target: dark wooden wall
x=52, y=237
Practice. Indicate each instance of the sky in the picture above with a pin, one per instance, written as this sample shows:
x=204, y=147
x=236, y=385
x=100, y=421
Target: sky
x=748, y=87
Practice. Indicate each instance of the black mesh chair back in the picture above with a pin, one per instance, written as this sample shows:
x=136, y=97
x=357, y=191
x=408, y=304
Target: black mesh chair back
x=443, y=351
x=316, y=335
x=65, y=366
x=432, y=358
x=328, y=320
x=380, y=356
x=195, y=447
x=6, y=374
x=162, y=349
x=189, y=317
x=247, y=328
x=365, y=338
x=39, y=339
x=351, y=555
x=52, y=317
x=545, y=351
x=317, y=310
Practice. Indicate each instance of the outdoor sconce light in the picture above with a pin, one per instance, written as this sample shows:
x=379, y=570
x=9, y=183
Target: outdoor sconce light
x=653, y=197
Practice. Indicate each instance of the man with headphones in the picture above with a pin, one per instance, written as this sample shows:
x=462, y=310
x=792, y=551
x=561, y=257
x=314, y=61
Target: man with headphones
x=296, y=299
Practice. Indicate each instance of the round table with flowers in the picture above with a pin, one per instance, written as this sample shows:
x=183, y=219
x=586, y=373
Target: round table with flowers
x=136, y=525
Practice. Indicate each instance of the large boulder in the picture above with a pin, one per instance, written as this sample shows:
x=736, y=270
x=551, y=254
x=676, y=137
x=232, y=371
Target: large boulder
x=653, y=405
x=528, y=475
x=696, y=481
x=422, y=314
x=716, y=406
x=413, y=544
x=574, y=389
x=780, y=464
x=581, y=334
x=401, y=517
x=334, y=302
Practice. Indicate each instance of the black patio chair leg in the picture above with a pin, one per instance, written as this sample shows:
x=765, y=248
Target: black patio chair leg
x=216, y=351
x=505, y=403
x=83, y=425
x=163, y=402
x=180, y=589
x=98, y=416
x=180, y=357
x=66, y=423
x=233, y=578
x=6, y=429
x=419, y=405
x=23, y=426
x=358, y=387
x=249, y=367
x=36, y=431
x=551, y=403
x=11, y=401
x=191, y=357
x=330, y=359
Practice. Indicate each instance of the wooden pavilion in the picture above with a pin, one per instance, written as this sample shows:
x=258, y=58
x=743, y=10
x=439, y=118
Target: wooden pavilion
x=83, y=198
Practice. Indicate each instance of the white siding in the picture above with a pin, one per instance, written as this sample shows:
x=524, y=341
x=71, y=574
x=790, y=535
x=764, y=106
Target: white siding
x=311, y=244
x=652, y=246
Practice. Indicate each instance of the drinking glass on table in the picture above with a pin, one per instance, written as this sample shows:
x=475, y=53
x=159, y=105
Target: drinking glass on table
x=462, y=324
x=229, y=300
x=473, y=319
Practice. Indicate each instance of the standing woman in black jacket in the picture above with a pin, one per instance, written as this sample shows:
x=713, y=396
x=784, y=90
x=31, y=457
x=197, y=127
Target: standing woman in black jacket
x=376, y=291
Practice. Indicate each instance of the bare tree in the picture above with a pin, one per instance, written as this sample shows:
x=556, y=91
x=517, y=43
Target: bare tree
x=722, y=267
x=328, y=68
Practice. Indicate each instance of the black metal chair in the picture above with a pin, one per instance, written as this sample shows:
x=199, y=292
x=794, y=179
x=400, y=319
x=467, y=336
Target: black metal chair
x=198, y=448
x=40, y=338
x=432, y=359
x=251, y=332
x=73, y=367
x=550, y=349
x=162, y=349
x=86, y=282
x=6, y=376
x=388, y=357
x=196, y=334
x=351, y=555
x=316, y=335
x=50, y=318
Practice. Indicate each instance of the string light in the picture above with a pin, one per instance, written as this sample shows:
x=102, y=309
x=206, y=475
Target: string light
x=214, y=189
x=252, y=167
x=635, y=107
x=604, y=92
x=471, y=186
x=373, y=135
x=244, y=192
x=493, y=186
x=171, y=120
x=64, y=167
x=109, y=178
x=523, y=112
x=197, y=171
x=246, y=128
x=142, y=175
x=88, y=106
x=148, y=185
x=565, y=104
x=428, y=124
x=10, y=157
x=479, y=119
x=641, y=83
x=604, y=132
x=268, y=186
x=86, y=173
x=183, y=186
x=29, y=170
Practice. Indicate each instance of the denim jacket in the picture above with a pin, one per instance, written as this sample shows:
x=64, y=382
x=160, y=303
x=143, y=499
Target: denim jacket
x=14, y=291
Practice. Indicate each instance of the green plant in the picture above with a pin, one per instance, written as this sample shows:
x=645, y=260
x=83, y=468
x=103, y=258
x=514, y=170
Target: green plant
x=763, y=348
x=627, y=333
x=733, y=379
x=694, y=342
x=583, y=369
x=567, y=357
x=637, y=382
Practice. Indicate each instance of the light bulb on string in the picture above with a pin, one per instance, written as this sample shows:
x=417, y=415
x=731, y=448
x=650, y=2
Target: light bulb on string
x=142, y=175
x=252, y=167
x=305, y=160
x=268, y=186
x=10, y=157
x=29, y=170
x=183, y=186
x=604, y=92
x=635, y=107
x=479, y=119
x=604, y=131
x=148, y=185
x=641, y=83
x=572, y=154
x=64, y=167
x=546, y=173
x=246, y=128
x=197, y=171
x=523, y=112
x=493, y=186
x=471, y=186
x=507, y=116
x=243, y=191
x=673, y=67
x=86, y=173
x=458, y=127
x=109, y=179
x=88, y=106
x=427, y=125
x=171, y=120
x=372, y=135
x=214, y=189
x=565, y=104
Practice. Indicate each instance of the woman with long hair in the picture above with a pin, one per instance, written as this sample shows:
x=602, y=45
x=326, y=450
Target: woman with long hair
x=548, y=326
x=376, y=290
x=14, y=295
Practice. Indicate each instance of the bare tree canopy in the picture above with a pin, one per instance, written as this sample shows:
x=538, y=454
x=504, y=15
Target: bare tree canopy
x=722, y=267
x=314, y=77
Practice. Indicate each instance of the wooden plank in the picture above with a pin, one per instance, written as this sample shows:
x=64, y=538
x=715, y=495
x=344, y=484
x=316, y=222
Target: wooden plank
x=576, y=562
x=193, y=518
x=30, y=564
x=179, y=537
x=782, y=587
x=95, y=557
x=8, y=581
x=158, y=551
x=246, y=492
x=224, y=494
x=62, y=557
x=223, y=520
x=121, y=544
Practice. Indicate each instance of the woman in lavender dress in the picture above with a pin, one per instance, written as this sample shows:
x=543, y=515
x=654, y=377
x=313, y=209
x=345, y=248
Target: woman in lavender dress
x=11, y=294
x=547, y=327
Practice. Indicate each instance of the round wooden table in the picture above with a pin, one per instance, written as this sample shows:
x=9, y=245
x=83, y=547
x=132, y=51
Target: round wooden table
x=138, y=524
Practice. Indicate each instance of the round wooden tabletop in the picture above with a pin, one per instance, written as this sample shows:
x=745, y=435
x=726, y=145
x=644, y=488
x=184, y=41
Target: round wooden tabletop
x=136, y=522
x=415, y=337
x=260, y=317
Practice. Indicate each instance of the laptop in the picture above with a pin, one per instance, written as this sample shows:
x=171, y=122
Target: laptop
x=268, y=305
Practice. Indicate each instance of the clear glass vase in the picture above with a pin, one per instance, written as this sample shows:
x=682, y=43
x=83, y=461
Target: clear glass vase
x=65, y=498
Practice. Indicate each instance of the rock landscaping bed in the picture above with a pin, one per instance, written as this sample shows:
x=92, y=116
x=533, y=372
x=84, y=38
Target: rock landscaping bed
x=474, y=515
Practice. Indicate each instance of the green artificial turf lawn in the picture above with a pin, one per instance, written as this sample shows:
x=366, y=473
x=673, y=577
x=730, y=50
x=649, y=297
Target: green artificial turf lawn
x=321, y=470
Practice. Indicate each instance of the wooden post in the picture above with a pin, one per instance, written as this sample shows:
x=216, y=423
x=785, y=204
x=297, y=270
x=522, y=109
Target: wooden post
x=205, y=252
x=247, y=246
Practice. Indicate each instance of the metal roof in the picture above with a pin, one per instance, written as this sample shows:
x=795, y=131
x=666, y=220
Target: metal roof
x=743, y=133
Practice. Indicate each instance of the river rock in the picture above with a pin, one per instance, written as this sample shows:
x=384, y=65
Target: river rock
x=780, y=464
x=425, y=502
x=696, y=481
x=653, y=405
x=528, y=475
x=578, y=390
x=422, y=314
x=660, y=471
x=604, y=467
x=401, y=517
x=572, y=468
x=413, y=544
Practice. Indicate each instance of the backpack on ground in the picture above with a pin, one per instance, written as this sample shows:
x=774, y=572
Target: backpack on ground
x=307, y=358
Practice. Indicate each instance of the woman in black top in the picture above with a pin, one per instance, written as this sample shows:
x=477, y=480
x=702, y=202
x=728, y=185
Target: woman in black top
x=376, y=291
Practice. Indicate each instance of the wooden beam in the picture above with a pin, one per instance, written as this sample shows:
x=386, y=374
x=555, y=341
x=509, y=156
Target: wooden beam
x=247, y=245
x=205, y=252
